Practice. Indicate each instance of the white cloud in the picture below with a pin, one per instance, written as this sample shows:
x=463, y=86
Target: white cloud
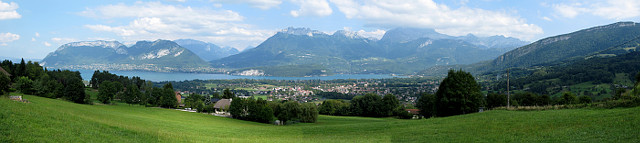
x=307, y=7
x=611, y=9
x=33, y=39
x=8, y=37
x=154, y=20
x=37, y=34
x=311, y=8
x=47, y=44
x=8, y=11
x=569, y=10
x=261, y=4
x=377, y=34
x=61, y=41
x=547, y=18
x=429, y=14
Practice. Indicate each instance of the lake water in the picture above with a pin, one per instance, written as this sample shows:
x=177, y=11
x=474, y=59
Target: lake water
x=160, y=76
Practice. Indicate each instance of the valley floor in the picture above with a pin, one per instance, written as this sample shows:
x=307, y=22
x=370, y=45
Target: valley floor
x=45, y=120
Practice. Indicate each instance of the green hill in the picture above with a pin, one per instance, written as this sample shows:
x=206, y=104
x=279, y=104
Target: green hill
x=600, y=41
x=566, y=47
x=51, y=120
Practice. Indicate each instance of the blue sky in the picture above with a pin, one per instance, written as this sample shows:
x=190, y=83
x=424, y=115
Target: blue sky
x=33, y=28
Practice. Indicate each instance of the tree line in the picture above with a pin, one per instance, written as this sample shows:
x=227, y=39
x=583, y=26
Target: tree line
x=31, y=78
x=268, y=111
x=132, y=90
x=257, y=110
x=368, y=105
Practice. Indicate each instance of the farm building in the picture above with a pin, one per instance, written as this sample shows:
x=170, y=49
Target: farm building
x=222, y=105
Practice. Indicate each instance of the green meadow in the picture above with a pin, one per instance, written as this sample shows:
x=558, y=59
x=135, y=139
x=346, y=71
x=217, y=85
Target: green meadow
x=54, y=120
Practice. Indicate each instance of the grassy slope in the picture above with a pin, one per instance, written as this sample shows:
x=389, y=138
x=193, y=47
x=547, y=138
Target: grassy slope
x=56, y=120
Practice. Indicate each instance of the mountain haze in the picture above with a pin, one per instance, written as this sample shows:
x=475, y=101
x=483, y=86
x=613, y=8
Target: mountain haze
x=206, y=51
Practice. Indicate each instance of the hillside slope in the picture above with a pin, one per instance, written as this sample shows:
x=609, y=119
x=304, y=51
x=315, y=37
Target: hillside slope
x=570, y=46
x=601, y=41
x=59, y=121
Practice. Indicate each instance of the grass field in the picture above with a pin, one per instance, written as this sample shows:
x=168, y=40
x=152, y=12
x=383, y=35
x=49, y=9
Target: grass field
x=53, y=120
x=594, y=89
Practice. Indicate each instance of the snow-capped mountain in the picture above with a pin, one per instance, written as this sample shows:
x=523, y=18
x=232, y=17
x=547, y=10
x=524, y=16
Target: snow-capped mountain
x=160, y=53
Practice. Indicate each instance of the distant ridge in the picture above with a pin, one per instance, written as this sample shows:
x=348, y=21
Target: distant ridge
x=401, y=50
x=159, y=55
x=206, y=51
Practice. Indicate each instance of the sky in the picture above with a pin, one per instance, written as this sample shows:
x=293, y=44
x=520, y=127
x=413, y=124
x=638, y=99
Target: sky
x=34, y=28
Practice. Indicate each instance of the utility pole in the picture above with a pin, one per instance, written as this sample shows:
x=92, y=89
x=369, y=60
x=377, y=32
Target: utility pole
x=508, y=93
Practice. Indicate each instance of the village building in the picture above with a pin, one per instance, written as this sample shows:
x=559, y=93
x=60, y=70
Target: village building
x=179, y=98
x=222, y=105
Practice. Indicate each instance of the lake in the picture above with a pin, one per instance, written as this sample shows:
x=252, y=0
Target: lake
x=161, y=76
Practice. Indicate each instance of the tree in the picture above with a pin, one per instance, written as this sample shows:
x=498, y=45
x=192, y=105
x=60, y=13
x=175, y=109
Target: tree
x=5, y=81
x=74, y=91
x=459, y=93
x=289, y=111
x=216, y=95
x=167, y=97
x=496, y=100
x=427, y=105
x=366, y=105
x=618, y=93
x=334, y=107
x=106, y=92
x=637, y=78
x=21, y=69
x=584, y=99
x=132, y=95
x=46, y=87
x=118, y=87
x=526, y=98
x=543, y=100
x=194, y=101
x=389, y=103
x=252, y=110
x=262, y=112
x=227, y=94
x=238, y=109
x=168, y=86
x=568, y=98
x=309, y=113
x=401, y=113
x=24, y=85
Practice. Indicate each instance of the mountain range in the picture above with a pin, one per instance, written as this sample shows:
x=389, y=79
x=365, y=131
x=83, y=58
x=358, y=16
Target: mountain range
x=144, y=55
x=401, y=50
x=600, y=41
